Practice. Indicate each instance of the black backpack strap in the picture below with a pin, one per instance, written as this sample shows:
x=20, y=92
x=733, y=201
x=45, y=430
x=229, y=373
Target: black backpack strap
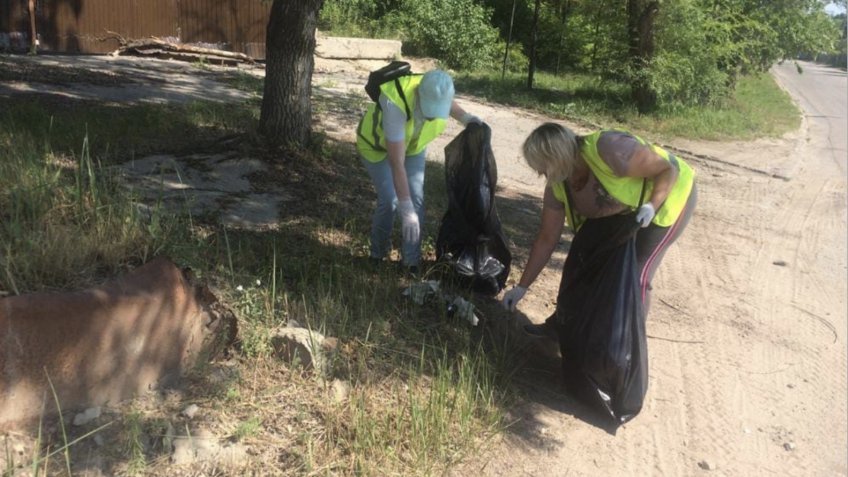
x=403, y=97
x=642, y=194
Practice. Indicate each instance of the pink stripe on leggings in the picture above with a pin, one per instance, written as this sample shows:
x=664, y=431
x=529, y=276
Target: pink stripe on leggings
x=643, y=279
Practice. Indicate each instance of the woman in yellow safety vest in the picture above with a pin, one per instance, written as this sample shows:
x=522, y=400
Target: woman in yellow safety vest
x=599, y=175
x=392, y=139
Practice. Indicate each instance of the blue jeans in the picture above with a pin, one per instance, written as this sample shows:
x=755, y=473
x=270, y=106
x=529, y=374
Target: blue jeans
x=384, y=214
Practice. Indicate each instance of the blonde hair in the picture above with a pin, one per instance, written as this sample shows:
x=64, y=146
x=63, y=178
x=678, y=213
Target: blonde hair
x=552, y=150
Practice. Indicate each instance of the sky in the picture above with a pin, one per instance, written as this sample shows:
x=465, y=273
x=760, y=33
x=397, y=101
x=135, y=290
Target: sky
x=834, y=9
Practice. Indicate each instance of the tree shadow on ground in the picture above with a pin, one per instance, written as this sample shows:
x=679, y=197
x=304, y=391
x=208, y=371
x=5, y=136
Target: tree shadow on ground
x=538, y=375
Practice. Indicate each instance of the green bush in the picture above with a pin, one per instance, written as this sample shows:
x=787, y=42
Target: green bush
x=684, y=71
x=358, y=18
x=679, y=81
x=457, y=32
x=516, y=60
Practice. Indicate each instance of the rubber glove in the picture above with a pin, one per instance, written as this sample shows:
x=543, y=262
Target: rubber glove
x=645, y=215
x=513, y=296
x=409, y=218
x=469, y=118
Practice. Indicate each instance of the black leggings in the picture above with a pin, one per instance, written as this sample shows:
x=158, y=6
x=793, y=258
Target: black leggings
x=651, y=245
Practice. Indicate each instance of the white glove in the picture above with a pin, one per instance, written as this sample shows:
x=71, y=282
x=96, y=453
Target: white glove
x=645, y=215
x=512, y=297
x=469, y=118
x=410, y=227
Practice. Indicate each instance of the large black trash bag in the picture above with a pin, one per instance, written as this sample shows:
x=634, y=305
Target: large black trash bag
x=601, y=319
x=470, y=237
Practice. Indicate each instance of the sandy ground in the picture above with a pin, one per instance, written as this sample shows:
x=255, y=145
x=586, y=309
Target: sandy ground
x=747, y=328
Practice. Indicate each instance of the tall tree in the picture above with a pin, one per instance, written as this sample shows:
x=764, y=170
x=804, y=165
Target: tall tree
x=534, y=33
x=508, y=39
x=564, y=10
x=640, y=34
x=286, y=116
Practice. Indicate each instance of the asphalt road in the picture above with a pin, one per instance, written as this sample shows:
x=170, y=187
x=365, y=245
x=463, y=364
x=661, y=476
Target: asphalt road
x=822, y=93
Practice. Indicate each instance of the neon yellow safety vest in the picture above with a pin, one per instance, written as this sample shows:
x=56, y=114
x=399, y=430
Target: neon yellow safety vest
x=628, y=190
x=370, y=140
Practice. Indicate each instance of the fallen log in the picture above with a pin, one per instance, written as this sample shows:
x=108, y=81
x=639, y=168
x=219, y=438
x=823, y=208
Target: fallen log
x=189, y=57
x=176, y=50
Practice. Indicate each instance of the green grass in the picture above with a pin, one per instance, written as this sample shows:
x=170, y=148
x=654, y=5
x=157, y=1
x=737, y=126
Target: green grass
x=132, y=441
x=63, y=220
x=117, y=132
x=247, y=428
x=757, y=108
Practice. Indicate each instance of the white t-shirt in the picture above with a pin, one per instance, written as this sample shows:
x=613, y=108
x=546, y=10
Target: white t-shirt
x=394, y=120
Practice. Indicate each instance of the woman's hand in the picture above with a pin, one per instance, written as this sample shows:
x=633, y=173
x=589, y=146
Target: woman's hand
x=411, y=228
x=645, y=215
x=512, y=297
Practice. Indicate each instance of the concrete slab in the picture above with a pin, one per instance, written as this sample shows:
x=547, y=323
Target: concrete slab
x=357, y=48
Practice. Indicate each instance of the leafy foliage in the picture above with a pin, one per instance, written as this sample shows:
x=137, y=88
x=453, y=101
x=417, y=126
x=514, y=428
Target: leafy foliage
x=457, y=32
x=702, y=47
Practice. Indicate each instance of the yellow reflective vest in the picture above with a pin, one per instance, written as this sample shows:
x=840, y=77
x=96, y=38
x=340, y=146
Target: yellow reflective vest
x=370, y=141
x=628, y=190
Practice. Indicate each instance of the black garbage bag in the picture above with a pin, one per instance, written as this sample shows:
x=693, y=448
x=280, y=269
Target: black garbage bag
x=470, y=237
x=601, y=319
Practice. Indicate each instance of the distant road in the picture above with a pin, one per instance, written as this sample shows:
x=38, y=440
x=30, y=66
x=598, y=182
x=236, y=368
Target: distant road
x=822, y=93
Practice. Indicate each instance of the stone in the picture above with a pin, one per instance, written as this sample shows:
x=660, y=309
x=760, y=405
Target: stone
x=203, y=446
x=300, y=347
x=87, y=416
x=789, y=446
x=706, y=465
x=190, y=411
x=183, y=451
x=340, y=390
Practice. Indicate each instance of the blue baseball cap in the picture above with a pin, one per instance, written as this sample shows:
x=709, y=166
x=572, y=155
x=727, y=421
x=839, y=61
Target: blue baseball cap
x=436, y=94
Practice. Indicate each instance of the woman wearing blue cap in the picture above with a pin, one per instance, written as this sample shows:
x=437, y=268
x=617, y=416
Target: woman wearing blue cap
x=392, y=139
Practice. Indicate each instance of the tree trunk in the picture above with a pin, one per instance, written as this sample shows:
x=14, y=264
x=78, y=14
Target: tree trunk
x=564, y=10
x=286, y=116
x=508, y=40
x=33, y=35
x=595, y=41
x=534, y=38
x=640, y=35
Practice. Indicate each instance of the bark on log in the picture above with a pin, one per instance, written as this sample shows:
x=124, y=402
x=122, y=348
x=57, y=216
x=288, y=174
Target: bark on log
x=142, y=46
